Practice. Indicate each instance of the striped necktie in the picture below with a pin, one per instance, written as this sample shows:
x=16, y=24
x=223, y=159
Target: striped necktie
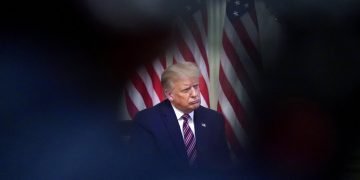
x=189, y=140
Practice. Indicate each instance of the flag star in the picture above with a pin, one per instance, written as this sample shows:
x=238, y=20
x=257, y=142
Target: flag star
x=246, y=5
x=237, y=3
x=188, y=8
x=236, y=13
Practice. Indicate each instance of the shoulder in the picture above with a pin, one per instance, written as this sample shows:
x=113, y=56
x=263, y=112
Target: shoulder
x=208, y=111
x=211, y=117
x=150, y=114
x=210, y=114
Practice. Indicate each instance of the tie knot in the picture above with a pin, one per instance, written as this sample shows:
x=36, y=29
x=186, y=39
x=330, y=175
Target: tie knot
x=186, y=117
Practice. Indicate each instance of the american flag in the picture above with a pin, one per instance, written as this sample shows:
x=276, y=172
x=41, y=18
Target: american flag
x=237, y=64
x=240, y=65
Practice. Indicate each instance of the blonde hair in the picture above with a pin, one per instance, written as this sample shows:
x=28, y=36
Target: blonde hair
x=178, y=71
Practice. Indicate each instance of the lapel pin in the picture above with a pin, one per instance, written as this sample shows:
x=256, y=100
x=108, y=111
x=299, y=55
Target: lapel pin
x=203, y=124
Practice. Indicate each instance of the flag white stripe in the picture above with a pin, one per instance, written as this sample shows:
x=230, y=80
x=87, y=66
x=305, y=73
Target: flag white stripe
x=123, y=110
x=145, y=77
x=191, y=43
x=158, y=68
x=202, y=101
x=199, y=23
x=230, y=115
x=135, y=97
x=177, y=55
x=250, y=28
x=248, y=64
x=237, y=86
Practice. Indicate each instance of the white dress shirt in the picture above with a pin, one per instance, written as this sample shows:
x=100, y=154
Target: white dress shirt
x=179, y=114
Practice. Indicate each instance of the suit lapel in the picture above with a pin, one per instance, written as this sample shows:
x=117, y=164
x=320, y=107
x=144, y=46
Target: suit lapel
x=173, y=128
x=200, y=130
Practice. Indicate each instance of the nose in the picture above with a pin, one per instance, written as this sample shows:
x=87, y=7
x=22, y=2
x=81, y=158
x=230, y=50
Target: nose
x=194, y=92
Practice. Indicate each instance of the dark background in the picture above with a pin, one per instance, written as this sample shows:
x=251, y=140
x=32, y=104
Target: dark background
x=62, y=68
x=316, y=77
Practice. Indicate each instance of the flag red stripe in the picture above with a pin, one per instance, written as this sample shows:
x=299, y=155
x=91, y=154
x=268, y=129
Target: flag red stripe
x=238, y=67
x=197, y=36
x=132, y=110
x=231, y=96
x=155, y=81
x=252, y=13
x=230, y=135
x=205, y=21
x=140, y=86
x=235, y=145
x=204, y=90
x=248, y=44
x=163, y=61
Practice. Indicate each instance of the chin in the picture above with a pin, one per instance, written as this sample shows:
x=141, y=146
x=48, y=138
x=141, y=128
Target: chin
x=195, y=106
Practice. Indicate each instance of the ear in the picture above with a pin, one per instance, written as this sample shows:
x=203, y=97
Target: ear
x=169, y=95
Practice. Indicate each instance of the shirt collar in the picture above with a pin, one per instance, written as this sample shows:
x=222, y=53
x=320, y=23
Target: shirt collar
x=179, y=113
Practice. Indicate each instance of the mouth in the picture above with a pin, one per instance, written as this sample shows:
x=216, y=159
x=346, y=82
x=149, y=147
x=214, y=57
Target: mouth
x=195, y=102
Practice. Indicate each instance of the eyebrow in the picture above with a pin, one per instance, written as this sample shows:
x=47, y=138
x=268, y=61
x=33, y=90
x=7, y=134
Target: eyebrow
x=187, y=86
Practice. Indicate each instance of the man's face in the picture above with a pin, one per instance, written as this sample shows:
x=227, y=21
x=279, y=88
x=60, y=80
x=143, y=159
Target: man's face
x=185, y=94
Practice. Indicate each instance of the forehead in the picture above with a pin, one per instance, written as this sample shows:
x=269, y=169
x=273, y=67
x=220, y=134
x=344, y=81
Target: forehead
x=186, y=81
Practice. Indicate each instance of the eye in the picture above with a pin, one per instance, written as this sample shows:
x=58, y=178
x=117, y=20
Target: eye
x=186, y=90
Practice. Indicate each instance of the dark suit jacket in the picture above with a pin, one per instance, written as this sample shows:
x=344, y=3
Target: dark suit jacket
x=156, y=139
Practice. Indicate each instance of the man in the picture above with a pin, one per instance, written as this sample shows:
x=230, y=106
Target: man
x=178, y=134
